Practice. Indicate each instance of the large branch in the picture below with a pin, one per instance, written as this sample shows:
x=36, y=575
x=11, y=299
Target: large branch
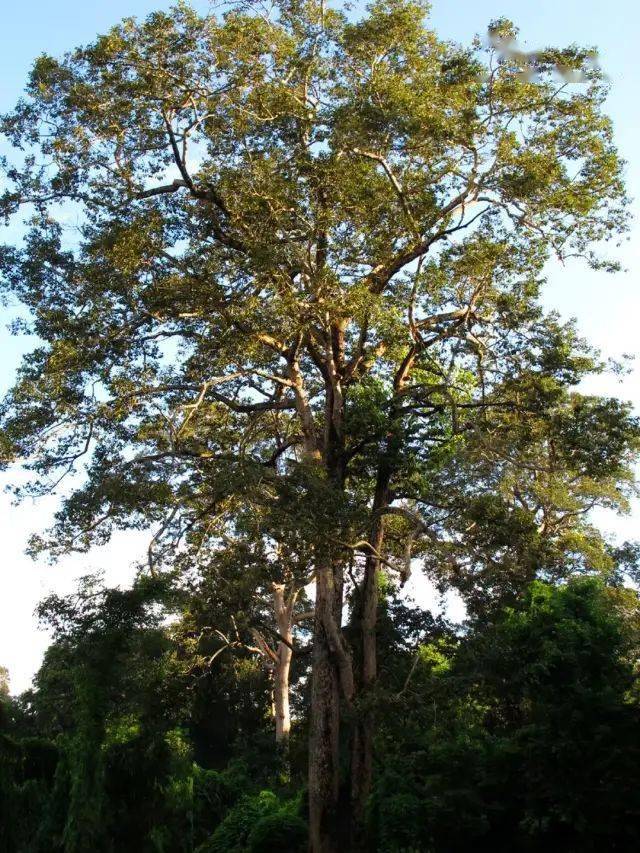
x=305, y=413
x=381, y=274
x=186, y=181
x=246, y=408
x=163, y=189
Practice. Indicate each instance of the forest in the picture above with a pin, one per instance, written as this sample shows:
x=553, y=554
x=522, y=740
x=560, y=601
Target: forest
x=284, y=267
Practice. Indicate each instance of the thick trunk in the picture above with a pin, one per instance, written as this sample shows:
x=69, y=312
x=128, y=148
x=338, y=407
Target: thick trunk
x=361, y=778
x=332, y=673
x=325, y=719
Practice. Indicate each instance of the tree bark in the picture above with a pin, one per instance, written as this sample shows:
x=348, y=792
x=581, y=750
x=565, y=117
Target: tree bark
x=284, y=653
x=364, y=727
x=324, y=779
x=281, y=695
x=362, y=741
x=332, y=671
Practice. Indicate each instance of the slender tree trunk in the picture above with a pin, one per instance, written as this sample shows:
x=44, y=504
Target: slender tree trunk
x=362, y=743
x=284, y=653
x=364, y=727
x=324, y=779
x=278, y=660
x=281, y=695
x=362, y=738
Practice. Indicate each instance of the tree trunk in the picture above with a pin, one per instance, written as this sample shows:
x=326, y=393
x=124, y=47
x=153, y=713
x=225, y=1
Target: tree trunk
x=362, y=739
x=284, y=653
x=281, y=694
x=332, y=672
x=324, y=779
x=362, y=743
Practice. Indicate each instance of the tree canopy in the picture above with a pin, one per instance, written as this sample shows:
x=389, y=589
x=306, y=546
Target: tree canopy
x=297, y=330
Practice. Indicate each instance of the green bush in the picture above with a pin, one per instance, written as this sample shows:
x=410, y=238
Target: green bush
x=278, y=832
x=259, y=824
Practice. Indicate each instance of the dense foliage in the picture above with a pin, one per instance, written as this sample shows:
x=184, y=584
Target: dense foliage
x=518, y=734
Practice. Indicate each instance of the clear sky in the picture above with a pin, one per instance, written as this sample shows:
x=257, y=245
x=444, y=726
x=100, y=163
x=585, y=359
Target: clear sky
x=607, y=307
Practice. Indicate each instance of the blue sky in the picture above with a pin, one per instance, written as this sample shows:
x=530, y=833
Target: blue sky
x=606, y=307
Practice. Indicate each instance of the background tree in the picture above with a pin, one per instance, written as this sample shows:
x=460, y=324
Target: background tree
x=514, y=501
x=484, y=737
x=250, y=598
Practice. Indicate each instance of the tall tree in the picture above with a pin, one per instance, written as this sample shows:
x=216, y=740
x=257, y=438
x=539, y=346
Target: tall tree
x=306, y=245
